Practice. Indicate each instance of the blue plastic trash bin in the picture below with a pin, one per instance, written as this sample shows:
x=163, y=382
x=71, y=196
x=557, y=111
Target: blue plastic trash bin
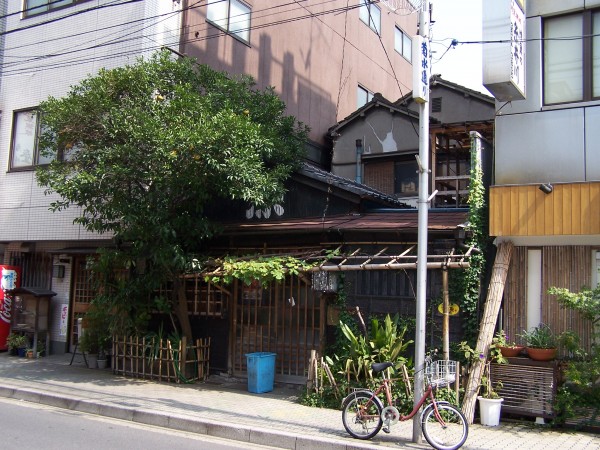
x=261, y=371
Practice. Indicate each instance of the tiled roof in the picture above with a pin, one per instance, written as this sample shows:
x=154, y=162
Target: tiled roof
x=399, y=220
x=346, y=184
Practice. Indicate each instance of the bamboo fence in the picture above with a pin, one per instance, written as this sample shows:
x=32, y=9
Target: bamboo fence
x=160, y=359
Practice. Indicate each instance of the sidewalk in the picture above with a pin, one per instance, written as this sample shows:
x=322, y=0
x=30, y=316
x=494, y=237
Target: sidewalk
x=225, y=409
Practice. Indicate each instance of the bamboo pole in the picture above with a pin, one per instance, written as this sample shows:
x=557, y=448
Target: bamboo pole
x=487, y=326
x=445, y=315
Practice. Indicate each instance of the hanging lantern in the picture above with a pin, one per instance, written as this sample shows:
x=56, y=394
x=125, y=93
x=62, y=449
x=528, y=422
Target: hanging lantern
x=325, y=281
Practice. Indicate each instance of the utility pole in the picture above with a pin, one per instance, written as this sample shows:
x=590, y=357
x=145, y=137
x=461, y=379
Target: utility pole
x=421, y=78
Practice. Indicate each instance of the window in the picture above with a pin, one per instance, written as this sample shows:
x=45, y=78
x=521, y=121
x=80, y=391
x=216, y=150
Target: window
x=363, y=96
x=25, y=152
x=371, y=15
x=406, y=177
x=403, y=44
x=33, y=7
x=232, y=16
x=571, y=66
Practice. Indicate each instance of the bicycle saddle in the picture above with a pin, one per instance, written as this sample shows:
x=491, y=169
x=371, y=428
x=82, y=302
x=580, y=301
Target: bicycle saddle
x=378, y=367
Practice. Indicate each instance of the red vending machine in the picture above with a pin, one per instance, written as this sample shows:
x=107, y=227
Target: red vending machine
x=11, y=279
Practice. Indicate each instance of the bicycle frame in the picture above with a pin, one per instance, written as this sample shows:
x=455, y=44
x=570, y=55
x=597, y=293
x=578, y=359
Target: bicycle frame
x=386, y=386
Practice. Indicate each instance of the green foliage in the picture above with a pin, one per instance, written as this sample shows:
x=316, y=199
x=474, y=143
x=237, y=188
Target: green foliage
x=465, y=283
x=263, y=269
x=586, y=302
x=541, y=336
x=97, y=337
x=144, y=150
x=486, y=387
x=15, y=341
x=581, y=388
x=385, y=342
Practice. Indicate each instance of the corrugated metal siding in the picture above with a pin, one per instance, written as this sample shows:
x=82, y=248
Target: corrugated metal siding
x=524, y=210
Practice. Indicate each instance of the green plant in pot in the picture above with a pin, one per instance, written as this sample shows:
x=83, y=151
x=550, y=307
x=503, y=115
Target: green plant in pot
x=16, y=342
x=541, y=343
x=505, y=346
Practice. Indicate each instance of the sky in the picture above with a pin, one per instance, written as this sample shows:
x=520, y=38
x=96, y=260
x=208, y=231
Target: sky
x=460, y=20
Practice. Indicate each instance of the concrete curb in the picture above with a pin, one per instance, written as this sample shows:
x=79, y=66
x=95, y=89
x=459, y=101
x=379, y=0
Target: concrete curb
x=242, y=433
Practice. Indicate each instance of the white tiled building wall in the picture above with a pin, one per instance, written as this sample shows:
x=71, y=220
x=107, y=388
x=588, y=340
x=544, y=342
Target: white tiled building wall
x=43, y=56
x=109, y=34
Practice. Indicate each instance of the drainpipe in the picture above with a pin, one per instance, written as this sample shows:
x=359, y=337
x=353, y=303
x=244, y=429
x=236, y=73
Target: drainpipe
x=359, y=152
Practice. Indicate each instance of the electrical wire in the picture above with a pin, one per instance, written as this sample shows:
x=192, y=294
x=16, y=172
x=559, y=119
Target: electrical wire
x=215, y=35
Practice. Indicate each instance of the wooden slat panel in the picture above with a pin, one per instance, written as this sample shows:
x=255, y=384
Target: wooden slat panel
x=576, y=208
x=529, y=387
x=571, y=209
x=586, y=226
x=568, y=267
x=515, y=295
x=595, y=208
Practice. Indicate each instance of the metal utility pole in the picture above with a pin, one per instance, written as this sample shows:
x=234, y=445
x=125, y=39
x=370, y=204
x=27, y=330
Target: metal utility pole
x=421, y=77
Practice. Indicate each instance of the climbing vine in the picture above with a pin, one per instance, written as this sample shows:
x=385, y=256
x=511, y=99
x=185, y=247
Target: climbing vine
x=465, y=284
x=262, y=269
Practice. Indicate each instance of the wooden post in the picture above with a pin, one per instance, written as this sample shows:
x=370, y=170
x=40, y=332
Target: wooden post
x=446, y=314
x=487, y=326
x=311, y=372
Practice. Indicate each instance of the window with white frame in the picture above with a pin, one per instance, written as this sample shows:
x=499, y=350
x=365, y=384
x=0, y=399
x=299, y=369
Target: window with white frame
x=572, y=63
x=363, y=96
x=25, y=152
x=32, y=7
x=371, y=15
x=403, y=44
x=232, y=16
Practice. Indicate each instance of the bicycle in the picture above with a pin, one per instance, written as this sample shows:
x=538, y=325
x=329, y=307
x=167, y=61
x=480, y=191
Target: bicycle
x=444, y=425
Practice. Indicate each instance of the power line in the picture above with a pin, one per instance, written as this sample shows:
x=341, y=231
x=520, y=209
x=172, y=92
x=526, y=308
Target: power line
x=216, y=35
x=75, y=13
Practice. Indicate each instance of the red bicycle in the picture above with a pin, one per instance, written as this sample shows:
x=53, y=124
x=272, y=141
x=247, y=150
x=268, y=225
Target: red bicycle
x=444, y=425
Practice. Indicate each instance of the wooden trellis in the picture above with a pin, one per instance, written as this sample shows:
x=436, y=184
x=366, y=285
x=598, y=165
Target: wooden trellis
x=160, y=360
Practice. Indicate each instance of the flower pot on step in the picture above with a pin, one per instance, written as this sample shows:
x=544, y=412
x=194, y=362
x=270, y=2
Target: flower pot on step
x=541, y=354
x=511, y=352
x=489, y=411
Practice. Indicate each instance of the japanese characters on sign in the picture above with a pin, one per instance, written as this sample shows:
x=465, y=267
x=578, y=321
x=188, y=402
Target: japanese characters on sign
x=421, y=69
x=517, y=33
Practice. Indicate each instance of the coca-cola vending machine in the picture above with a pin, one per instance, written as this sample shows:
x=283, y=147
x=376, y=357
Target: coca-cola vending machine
x=11, y=279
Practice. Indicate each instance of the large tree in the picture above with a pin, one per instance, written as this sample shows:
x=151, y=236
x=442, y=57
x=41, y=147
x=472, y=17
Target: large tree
x=143, y=149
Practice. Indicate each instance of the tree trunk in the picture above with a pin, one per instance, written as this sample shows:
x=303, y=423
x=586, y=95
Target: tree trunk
x=487, y=326
x=181, y=309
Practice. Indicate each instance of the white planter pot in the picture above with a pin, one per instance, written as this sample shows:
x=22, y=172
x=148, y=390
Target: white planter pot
x=489, y=411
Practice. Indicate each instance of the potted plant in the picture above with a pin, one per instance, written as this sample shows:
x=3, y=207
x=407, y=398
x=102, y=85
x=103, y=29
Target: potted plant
x=490, y=402
x=17, y=343
x=88, y=344
x=506, y=347
x=104, y=341
x=541, y=343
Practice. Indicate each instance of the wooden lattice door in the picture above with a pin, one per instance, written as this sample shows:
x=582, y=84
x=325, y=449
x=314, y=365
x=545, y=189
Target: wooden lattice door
x=82, y=294
x=285, y=318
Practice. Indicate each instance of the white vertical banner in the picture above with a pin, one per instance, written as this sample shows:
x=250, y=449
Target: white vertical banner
x=421, y=68
x=64, y=319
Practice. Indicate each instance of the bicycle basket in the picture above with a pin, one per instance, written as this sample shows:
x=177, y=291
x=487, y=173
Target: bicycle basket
x=440, y=373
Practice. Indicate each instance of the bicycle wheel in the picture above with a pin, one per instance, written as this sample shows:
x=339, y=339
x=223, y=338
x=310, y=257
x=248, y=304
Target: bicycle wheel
x=362, y=416
x=450, y=435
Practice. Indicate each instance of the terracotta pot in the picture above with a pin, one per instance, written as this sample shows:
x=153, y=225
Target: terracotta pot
x=541, y=354
x=508, y=352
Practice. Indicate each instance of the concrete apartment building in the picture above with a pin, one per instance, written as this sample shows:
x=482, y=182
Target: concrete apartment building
x=49, y=46
x=324, y=59
x=546, y=192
